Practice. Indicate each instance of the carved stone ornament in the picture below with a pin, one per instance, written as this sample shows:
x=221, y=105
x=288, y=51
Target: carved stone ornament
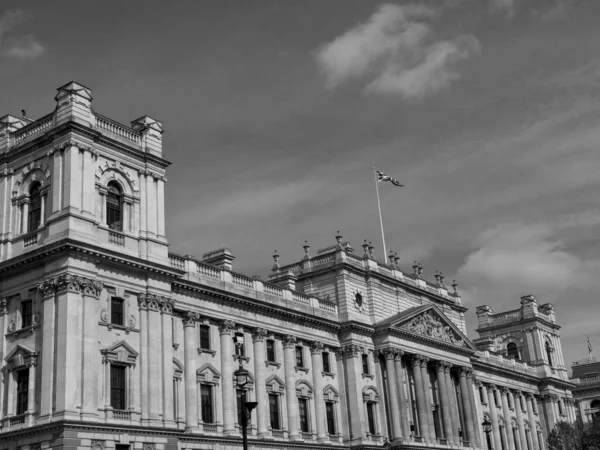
x=428, y=325
x=153, y=302
x=149, y=446
x=351, y=350
x=226, y=326
x=316, y=347
x=12, y=325
x=104, y=315
x=132, y=321
x=35, y=319
x=190, y=318
x=98, y=445
x=166, y=305
x=258, y=334
x=92, y=288
x=289, y=340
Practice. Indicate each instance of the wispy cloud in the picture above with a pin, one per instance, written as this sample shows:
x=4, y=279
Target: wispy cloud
x=558, y=11
x=395, y=52
x=19, y=47
x=504, y=6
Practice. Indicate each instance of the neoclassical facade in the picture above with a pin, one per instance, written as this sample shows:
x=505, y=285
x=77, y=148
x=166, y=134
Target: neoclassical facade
x=586, y=376
x=111, y=342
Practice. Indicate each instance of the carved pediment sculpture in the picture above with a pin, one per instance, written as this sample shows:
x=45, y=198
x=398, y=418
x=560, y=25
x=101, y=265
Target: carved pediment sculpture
x=430, y=325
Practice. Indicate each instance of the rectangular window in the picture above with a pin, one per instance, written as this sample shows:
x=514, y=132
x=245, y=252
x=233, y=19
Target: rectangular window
x=510, y=400
x=26, y=313
x=270, y=350
x=516, y=438
x=371, y=417
x=303, y=410
x=205, y=337
x=206, y=401
x=482, y=396
x=329, y=411
x=274, y=411
x=299, y=357
x=326, y=367
x=121, y=447
x=365, y=364
x=238, y=342
x=117, y=310
x=117, y=387
x=502, y=439
x=22, y=391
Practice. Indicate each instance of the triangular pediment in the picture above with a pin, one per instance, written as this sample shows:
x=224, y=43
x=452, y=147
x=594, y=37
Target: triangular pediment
x=208, y=374
x=20, y=356
x=275, y=384
x=120, y=352
x=429, y=322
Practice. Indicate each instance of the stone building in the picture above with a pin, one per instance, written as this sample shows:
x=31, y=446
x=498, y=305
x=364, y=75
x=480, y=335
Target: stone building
x=586, y=376
x=112, y=342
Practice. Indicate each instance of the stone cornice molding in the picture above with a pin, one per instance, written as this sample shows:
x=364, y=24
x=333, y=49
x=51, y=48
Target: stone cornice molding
x=226, y=327
x=259, y=334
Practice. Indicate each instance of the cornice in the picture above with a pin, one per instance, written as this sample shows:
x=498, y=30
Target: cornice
x=358, y=328
x=486, y=367
x=209, y=293
x=398, y=332
x=522, y=322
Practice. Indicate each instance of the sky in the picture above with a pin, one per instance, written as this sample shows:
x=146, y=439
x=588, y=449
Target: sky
x=275, y=113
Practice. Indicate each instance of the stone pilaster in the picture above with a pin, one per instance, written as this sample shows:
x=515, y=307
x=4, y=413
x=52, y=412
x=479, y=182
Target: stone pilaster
x=154, y=360
x=532, y=421
x=258, y=338
x=316, y=350
x=89, y=383
x=191, y=391
x=476, y=419
x=3, y=374
x=31, y=390
x=229, y=414
x=453, y=404
x=289, y=362
x=48, y=290
x=426, y=380
x=518, y=399
x=506, y=413
x=143, y=311
x=494, y=416
x=166, y=312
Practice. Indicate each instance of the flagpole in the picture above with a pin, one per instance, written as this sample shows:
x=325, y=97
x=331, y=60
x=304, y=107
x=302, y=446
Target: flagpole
x=380, y=219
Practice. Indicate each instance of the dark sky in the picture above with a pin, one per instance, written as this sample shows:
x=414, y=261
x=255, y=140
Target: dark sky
x=276, y=111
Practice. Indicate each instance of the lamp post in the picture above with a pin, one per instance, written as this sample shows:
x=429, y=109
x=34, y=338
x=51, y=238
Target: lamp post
x=242, y=377
x=487, y=428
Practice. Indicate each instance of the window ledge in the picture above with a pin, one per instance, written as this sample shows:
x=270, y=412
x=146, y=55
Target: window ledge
x=273, y=363
x=207, y=350
x=301, y=369
x=26, y=330
x=332, y=375
x=243, y=358
x=124, y=328
x=368, y=375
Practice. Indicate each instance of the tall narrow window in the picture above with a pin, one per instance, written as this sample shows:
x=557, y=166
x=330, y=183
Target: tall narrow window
x=371, y=417
x=365, y=363
x=114, y=207
x=270, y=350
x=175, y=398
x=22, y=391
x=549, y=353
x=303, y=410
x=326, y=367
x=502, y=438
x=26, y=313
x=117, y=386
x=274, y=411
x=512, y=350
x=299, y=356
x=205, y=337
x=35, y=208
x=117, y=310
x=528, y=439
x=206, y=401
x=516, y=438
x=329, y=411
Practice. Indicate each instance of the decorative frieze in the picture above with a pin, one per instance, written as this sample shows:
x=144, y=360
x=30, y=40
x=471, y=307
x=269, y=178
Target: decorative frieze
x=427, y=324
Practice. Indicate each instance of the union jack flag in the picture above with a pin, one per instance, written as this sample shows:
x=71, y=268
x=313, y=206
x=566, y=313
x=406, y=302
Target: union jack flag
x=383, y=177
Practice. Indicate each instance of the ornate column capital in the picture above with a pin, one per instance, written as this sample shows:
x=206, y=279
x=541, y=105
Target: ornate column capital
x=339, y=354
x=389, y=353
x=398, y=354
x=190, y=318
x=504, y=390
x=289, y=341
x=424, y=361
x=48, y=287
x=316, y=347
x=440, y=365
x=351, y=351
x=166, y=305
x=142, y=301
x=259, y=334
x=92, y=288
x=68, y=283
x=226, y=326
x=153, y=302
x=490, y=386
x=414, y=360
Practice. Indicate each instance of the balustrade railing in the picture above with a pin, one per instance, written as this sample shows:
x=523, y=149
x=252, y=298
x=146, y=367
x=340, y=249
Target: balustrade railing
x=116, y=238
x=30, y=239
x=106, y=124
x=34, y=128
x=17, y=420
x=120, y=414
x=301, y=298
x=210, y=427
x=241, y=280
x=177, y=261
x=273, y=290
x=277, y=434
x=208, y=271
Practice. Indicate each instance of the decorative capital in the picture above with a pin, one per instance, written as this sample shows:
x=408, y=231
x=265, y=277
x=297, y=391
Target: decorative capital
x=504, y=390
x=226, y=326
x=142, y=301
x=190, y=318
x=92, y=288
x=259, y=334
x=424, y=361
x=166, y=305
x=440, y=366
x=389, y=353
x=316, y=347
x=153, y=302
x=68, y=283
x=464, y=371
x=351, y=350
x=289, y=341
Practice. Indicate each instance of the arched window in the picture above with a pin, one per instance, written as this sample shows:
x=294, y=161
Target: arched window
x=549, y=352
x=512, y=350
x=35, y=208
x=114, y=207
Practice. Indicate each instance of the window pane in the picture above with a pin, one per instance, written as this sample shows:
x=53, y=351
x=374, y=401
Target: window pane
x=114, y=206
x=205, y=337
x=22, y=391
x=330, y=417
x=325, y=356
x=299, y=357
x=26, y=313
x=116, y=310
x=365, y=363
x=207, y=403
x=117, y=387
x=274, y=411
x=303, y=410
x=35, y=208
x=371, y=417
x=270, y=350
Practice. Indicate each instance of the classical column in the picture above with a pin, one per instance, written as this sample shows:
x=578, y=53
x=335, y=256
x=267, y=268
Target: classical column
x=506, y=412
x=549, y=404
x=532, y=422
x=31, y=394
x=142, y=304
x=154, y=354
x=445, y=406
x=452, y=401
x=189, y=354
x=166, y=311
x=258, y=338
x=426, y=380
x=48, y=289
x=390, y=354
x=43, y=208
x=225, y=330
x=494, y=416
x=89, y=382
x=160, y=216
x=316, y=350
x=520, y=423
x=466, y=402
x=3, y=374
x=476, y=428
x=106, y=369
x=421, y=408
x=289, y=362
x=25, y=216
x=402, y=394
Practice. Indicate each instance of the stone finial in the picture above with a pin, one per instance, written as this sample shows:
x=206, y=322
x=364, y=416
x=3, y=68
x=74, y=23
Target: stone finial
x=371, y=248
x=455, y=287
x=442, y=278
x=416, y=268
x=338, y=238
x=420, y=269
x=365, y=247
x=391, y=257
x=396, y=259
x=306, y=248
x=276, y=265
x=437, y=277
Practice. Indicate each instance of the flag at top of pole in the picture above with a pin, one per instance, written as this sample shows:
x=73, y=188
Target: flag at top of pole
x=379, y=177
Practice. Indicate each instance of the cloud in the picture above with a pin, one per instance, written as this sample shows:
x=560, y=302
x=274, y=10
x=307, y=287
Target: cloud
x=556, y=12
x=22, y=47
x=394, y=52
x=504, y=6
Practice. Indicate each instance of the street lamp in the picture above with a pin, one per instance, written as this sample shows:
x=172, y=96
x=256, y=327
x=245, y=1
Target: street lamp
x=487, y=428
x=242, y=378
